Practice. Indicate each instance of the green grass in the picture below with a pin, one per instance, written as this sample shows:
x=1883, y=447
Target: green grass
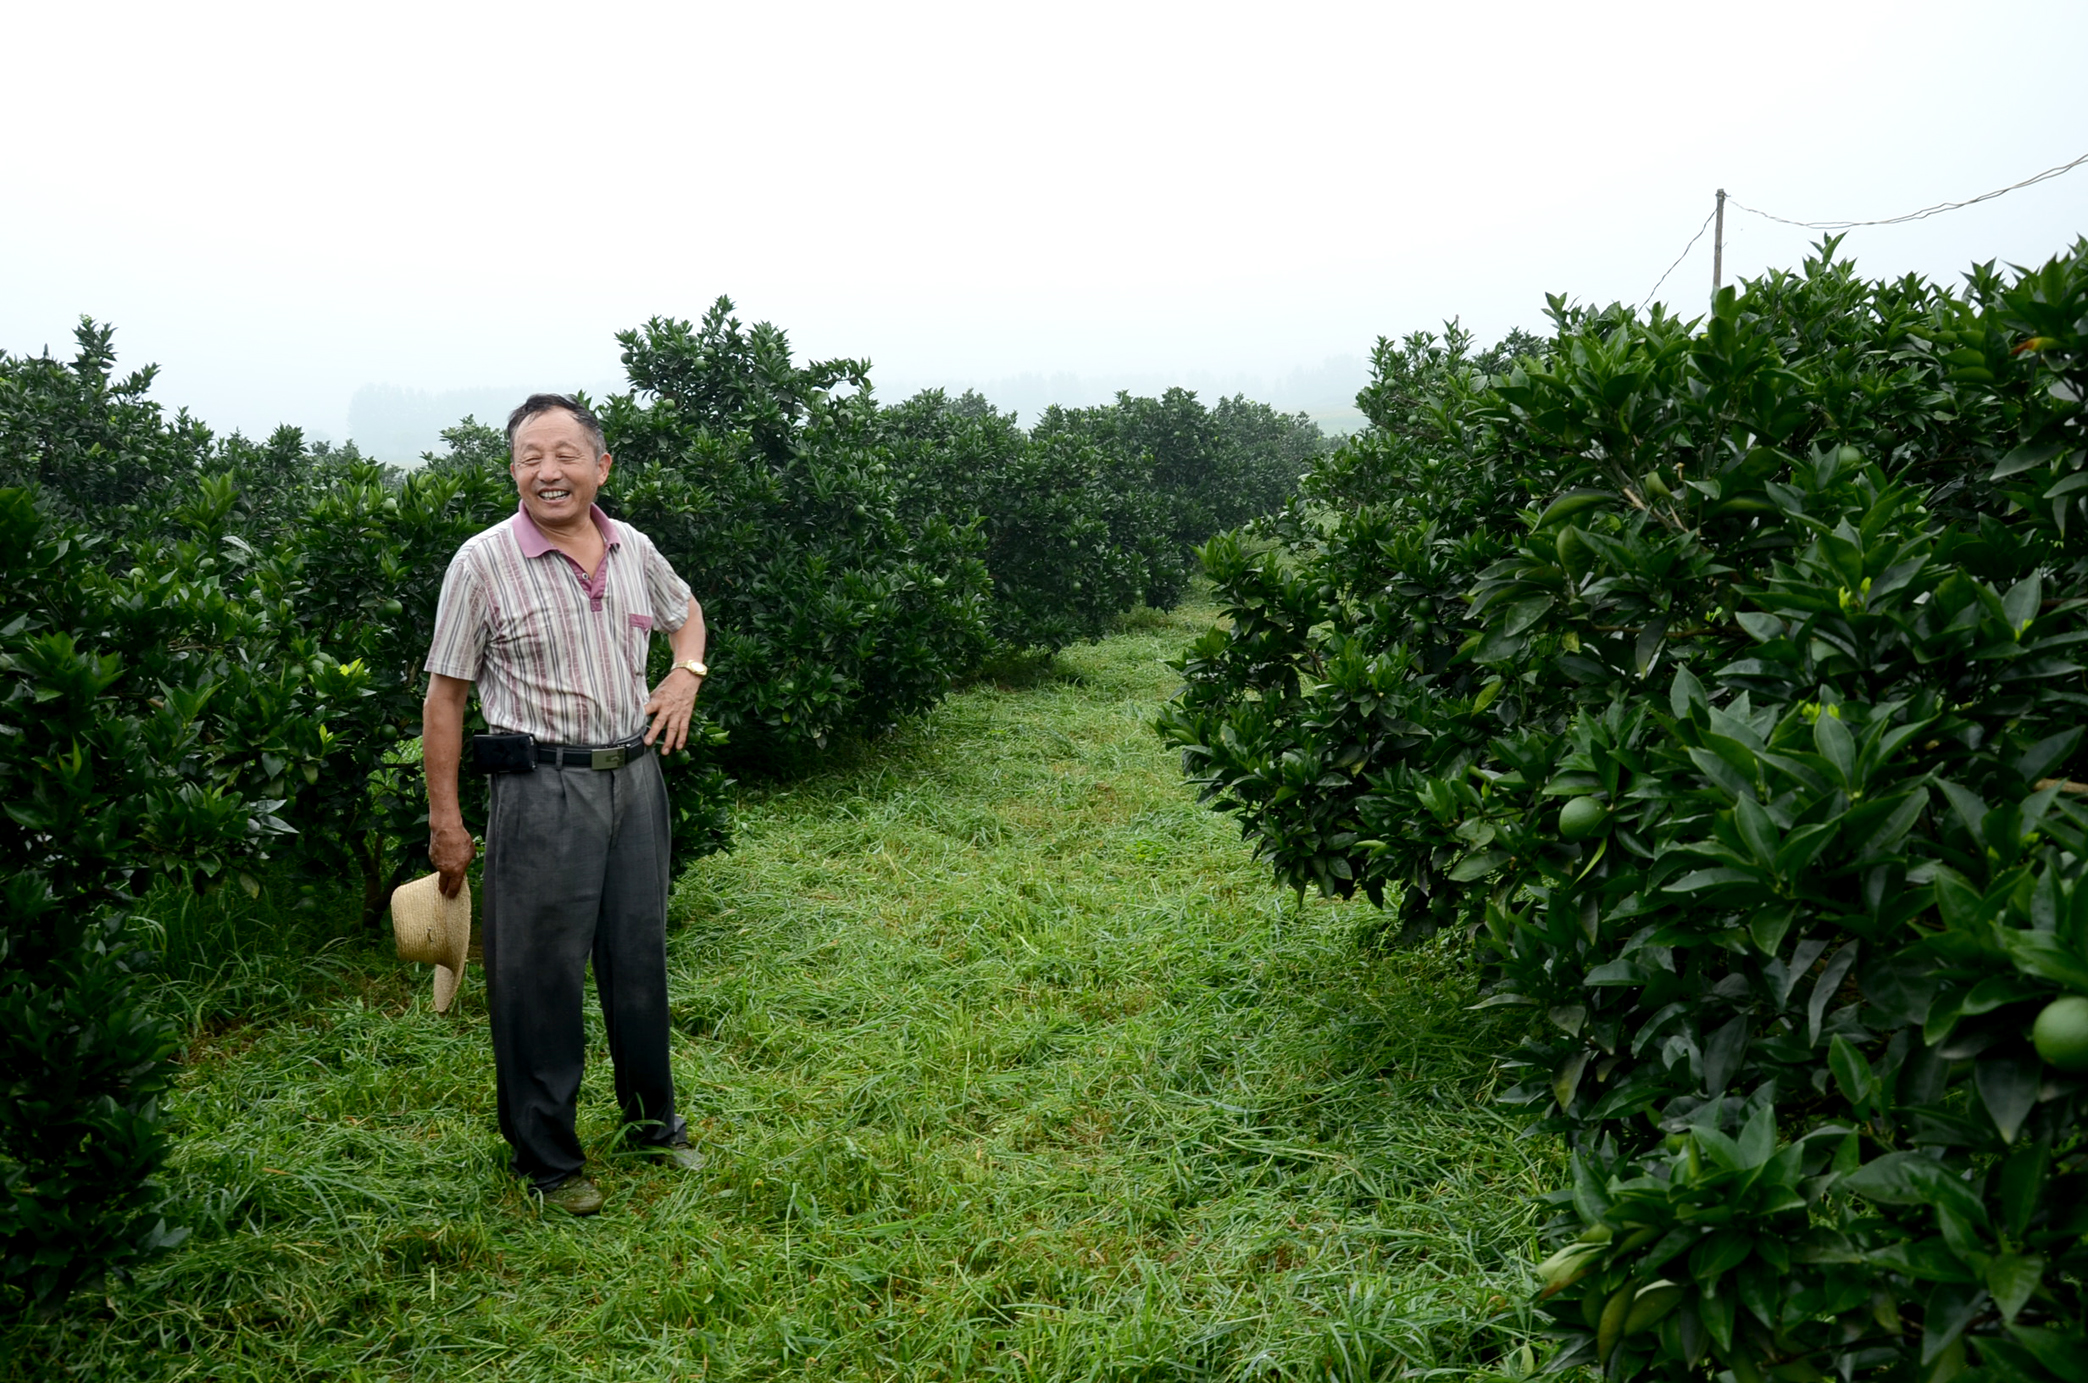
x=1009, y=1062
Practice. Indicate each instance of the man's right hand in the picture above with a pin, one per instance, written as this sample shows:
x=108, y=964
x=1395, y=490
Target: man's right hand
x=451, y=850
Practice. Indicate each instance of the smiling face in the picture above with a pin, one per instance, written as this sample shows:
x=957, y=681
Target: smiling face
x=556, y=469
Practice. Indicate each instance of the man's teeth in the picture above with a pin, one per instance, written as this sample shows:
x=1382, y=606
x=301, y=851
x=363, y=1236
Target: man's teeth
x=553, y=494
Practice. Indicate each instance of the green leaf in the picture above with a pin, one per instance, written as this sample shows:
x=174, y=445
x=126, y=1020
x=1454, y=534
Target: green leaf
x=1762, y=628
x=2026, y=457
x=1724, y=1053
x=1758, y=1137
x=1924, y=1260
x=1949, y=1309
x=1826, y=987
x=2046, y=956
x=1569, y=504
x=1836, y=745
x=1717, y=1313
x=2022, y=1183
x=1719, y=1253
x=1589, y=1198
x=1998, y=991
x=1567, y=1081
x=1669, y=1244
x=1699, y=879
x=2020, y=603
x=1962, y=906
x=2065, y=1353
x=1894, y=827
x=2072, y=483
x=1768, y=928
x=1721, y=1149
x=2012, y=1277
x=1802, y=846
x=2008, y=1088
x=1760, y=1288
x=1524, y=613
x=1756, y=829
x=1686, y=695
x=1478, y=866
x=1909, y=1178
x=1969, y=808
x=1901, y=988
x=1722, y=773
x=1851, y=1072
x=1647, y=646
x=2042, y=756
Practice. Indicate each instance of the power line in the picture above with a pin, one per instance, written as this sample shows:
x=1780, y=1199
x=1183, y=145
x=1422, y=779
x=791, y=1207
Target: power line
x=1925, y=212
x=1679, y=258
x=1920, y=215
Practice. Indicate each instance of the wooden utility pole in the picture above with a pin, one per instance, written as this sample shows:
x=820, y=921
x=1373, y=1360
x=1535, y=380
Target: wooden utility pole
x=1718, y=250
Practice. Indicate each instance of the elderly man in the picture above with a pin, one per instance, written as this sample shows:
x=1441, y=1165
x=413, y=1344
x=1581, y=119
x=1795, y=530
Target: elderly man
x=550, y=613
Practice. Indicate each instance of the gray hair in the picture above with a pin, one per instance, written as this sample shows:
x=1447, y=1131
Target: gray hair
x=545, y=403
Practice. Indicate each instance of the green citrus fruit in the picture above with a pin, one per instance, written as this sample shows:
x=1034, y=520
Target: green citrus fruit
x=2061, y=1033
x=1579, y=818
x=1574, y=552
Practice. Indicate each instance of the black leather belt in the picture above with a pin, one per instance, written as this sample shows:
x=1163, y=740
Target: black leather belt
x=609, y=756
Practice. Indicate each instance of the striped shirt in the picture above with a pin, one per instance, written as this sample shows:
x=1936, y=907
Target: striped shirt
x=555, y=654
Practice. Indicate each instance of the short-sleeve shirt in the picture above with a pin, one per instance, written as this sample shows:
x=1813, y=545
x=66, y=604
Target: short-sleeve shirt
x=554, y=653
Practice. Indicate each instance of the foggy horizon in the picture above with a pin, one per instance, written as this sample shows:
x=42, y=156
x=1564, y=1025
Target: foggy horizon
x=399, y=424
x=288, y=215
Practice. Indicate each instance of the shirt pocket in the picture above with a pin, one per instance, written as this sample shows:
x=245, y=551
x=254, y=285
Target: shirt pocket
x=637, y=641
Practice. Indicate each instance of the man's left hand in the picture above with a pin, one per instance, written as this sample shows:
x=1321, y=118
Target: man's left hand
x=672, y=705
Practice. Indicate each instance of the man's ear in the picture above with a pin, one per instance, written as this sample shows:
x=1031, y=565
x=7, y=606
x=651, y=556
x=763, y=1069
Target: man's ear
x=606, y=461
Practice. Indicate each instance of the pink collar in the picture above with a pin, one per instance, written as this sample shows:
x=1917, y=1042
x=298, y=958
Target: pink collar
x=532, y=541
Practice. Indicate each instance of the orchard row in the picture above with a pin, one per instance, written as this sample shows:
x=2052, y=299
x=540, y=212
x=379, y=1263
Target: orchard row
x=1723, y=681
x=213, y=650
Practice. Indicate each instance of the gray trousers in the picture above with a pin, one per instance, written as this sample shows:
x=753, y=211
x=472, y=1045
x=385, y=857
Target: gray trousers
x=577, y=869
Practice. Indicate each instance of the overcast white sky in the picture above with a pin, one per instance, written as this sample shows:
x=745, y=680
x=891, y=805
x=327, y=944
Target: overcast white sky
x=281, y=203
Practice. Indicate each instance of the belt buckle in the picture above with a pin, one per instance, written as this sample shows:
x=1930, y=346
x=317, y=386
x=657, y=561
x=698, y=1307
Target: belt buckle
x=608, y=758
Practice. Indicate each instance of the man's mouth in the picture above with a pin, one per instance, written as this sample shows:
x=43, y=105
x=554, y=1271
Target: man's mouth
x=554, y=496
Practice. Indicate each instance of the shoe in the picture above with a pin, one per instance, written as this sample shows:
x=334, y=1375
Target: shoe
x=576, y=1195
x=685, y=1156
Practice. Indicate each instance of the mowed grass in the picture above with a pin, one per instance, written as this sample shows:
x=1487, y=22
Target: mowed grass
x=1009, y=1061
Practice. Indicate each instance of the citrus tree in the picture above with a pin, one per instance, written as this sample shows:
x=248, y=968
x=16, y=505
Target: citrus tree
x=156, y=712
x=766, y=485
x=1722, y=679
x=1074, y=530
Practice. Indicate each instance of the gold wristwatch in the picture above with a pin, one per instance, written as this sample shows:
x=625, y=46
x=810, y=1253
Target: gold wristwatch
x=694, y=665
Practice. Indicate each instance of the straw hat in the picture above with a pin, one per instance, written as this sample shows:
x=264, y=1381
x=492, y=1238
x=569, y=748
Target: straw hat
x=434, y=930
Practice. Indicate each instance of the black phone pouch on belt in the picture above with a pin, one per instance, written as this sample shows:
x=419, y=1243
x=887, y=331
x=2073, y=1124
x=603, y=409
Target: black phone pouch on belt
x=503, y=753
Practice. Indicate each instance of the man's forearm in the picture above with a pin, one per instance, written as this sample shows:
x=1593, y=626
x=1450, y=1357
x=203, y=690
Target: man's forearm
x=442, y=749
x=691, y=639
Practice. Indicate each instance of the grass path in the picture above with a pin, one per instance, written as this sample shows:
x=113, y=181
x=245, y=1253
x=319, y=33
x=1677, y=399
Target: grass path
x=1009, y=1063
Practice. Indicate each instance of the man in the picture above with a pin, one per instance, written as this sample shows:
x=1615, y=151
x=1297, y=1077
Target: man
x=550, y=614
